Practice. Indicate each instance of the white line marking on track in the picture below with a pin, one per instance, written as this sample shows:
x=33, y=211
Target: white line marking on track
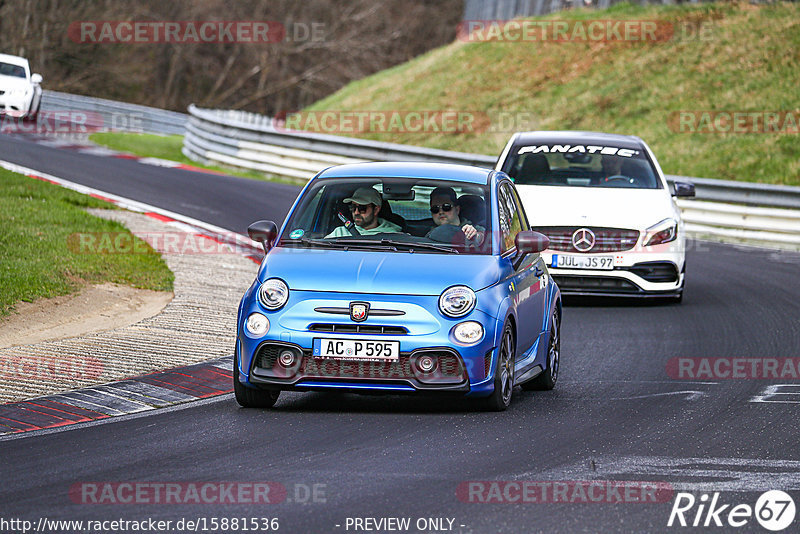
x=779, y=389
x=685, y=474
x=690, y=395
x=131, y=204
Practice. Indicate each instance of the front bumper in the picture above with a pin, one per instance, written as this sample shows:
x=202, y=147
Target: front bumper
x=465, y=370
x=638, y=274
x=15, y=105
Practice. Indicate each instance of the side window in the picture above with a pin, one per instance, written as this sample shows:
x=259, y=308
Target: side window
x=510, y=217
x=523, y=218
x=308, y=220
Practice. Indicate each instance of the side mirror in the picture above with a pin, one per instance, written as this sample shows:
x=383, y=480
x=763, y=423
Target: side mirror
x=684, y=189
x=264, y=232
x=36, y=78
x=529, y=242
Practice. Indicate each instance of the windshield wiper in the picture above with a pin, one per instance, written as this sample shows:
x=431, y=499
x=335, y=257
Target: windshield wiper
x=346, y=243
x=394, y=244
x=370, y=244
x=306, y=241
x=311, y=241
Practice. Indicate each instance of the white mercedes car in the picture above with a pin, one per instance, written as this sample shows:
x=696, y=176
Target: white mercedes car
x=603, y=201
x=20, y=91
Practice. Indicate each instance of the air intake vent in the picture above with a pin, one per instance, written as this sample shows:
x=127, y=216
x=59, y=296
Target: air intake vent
x=332, y=328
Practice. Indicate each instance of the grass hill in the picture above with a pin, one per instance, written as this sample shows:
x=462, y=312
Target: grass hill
x=713, y=58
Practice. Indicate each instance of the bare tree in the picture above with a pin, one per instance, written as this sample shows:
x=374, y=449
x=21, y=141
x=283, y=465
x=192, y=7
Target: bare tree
x=327, y=44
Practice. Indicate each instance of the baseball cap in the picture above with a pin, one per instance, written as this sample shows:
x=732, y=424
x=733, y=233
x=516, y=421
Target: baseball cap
x=365, y=195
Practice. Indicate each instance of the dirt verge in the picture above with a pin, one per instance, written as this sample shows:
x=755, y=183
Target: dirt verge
x=94, y=308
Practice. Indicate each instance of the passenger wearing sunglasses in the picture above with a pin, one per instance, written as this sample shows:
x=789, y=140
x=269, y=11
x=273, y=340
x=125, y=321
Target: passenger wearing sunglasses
x=365, y=204
x=445, y=210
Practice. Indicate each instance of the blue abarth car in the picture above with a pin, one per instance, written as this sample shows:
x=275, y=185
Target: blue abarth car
x=400, y=277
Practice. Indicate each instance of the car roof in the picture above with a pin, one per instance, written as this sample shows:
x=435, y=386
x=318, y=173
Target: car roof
x=14, y=60
x=578, y=137
x=440, y=171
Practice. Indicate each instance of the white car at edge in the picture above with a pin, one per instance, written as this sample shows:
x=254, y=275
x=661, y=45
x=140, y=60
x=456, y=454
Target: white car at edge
x=602, y=199
x=20, y=91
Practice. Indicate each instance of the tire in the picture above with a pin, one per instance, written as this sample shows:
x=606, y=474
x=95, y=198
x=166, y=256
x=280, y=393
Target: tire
x=548, y=378
x=32, y=114
x=679, y=298
x=500, y=399
x=249, y=397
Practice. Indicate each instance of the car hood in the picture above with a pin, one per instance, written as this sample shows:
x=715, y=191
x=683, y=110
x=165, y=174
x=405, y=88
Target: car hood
x=585, y=206
x=12, y=82
x=394, y=273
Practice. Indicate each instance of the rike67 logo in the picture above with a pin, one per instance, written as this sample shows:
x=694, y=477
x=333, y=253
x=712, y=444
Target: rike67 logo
x=774, y=510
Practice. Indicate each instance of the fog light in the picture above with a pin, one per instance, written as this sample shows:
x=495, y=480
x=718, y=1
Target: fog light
x=426, y=364
x=468, y=333
x=287, y=358
x=257, y=324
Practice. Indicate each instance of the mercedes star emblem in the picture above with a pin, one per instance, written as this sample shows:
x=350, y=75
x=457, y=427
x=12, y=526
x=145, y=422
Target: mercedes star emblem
x=583, y=239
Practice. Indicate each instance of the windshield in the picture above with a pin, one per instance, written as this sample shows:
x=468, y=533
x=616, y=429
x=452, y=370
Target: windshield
x=7, y=69
x=580, y=166
x=402, y=215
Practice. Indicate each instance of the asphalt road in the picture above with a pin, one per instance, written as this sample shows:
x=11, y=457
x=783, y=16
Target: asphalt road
x=226, y=201
x=615, y=414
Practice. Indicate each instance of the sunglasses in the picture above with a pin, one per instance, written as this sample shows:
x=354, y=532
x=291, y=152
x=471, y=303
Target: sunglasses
x=443, y=207
x=358, y=208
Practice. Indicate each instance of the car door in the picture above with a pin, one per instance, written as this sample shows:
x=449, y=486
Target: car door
x=527, y=278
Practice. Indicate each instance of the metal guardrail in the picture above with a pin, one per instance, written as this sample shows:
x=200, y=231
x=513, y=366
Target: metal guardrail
x=254, y=139
x=724, y=210
x=114, y=115
x=509, y=9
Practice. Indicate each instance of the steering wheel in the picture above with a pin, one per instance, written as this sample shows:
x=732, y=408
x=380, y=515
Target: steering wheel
x=448, y=233
x=619, y=177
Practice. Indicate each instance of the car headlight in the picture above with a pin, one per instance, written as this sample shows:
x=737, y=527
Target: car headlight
x=257, y=324
x=663, y=232
x=457, y=301
x=468, y=333
x=273, y=294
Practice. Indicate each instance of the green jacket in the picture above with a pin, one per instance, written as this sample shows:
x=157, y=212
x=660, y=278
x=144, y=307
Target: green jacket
x=383, y=226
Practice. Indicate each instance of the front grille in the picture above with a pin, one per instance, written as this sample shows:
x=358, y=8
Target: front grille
x=358, y=328
x=449, y=364
x=606, y=239
x=656, y=271
x=267, y=355
x=595, y=283
x=329, y=368
x=449, y=369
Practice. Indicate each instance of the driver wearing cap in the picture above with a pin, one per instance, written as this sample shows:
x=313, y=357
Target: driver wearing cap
x=365, y=204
